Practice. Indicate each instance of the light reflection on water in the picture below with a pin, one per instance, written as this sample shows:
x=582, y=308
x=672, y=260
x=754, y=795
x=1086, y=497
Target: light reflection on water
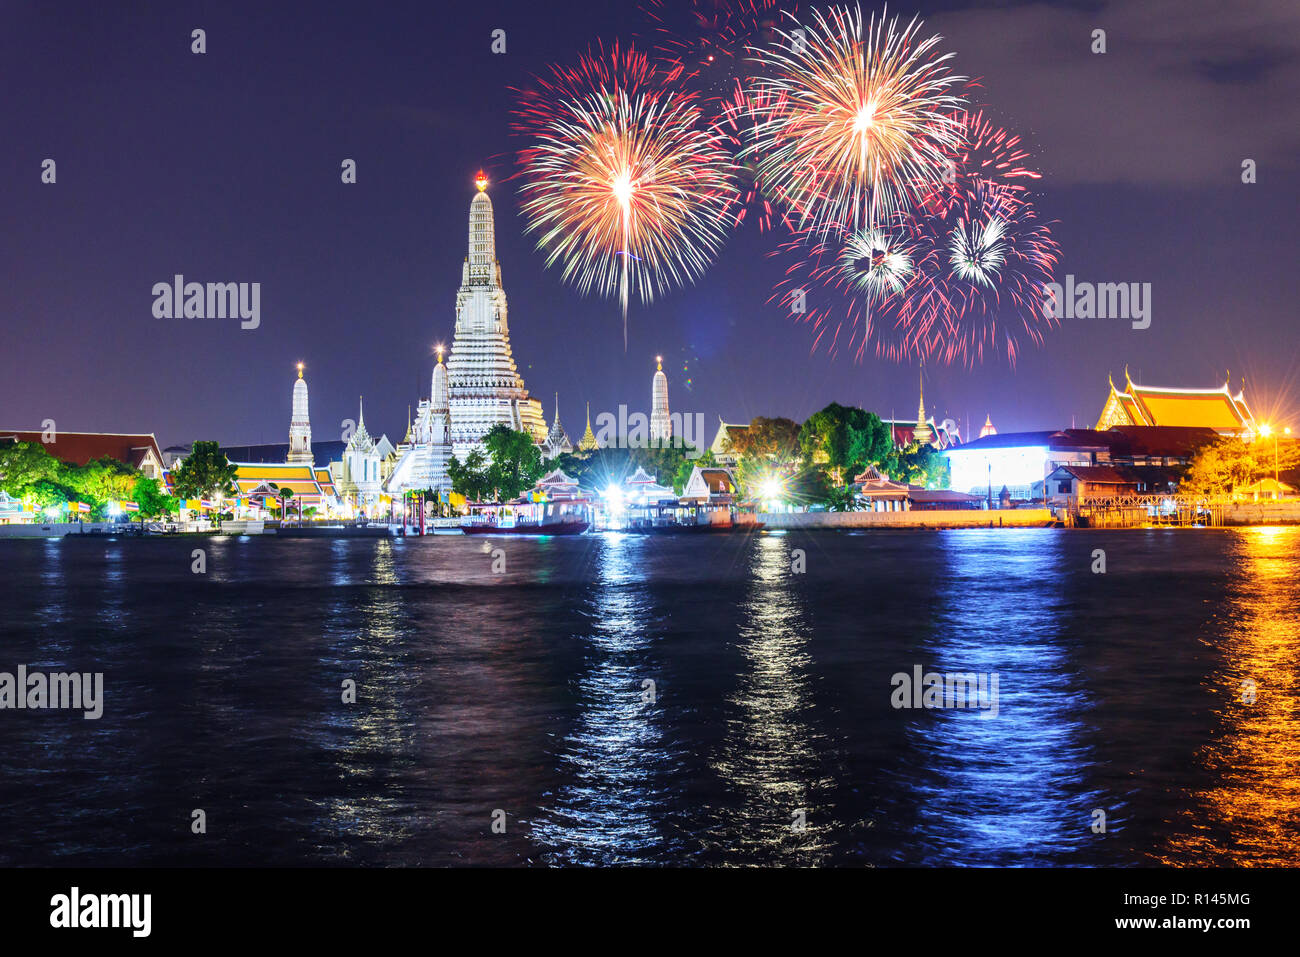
x=1253, y=760
x=771, y=757
x=1009, y=789
x=614, y=755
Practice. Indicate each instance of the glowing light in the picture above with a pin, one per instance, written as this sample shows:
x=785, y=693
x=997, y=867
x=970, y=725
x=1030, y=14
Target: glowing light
x=481, y=181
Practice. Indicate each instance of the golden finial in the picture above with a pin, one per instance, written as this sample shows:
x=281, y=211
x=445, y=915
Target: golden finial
x=481, y=181
x=299, y=370
x=660, y=361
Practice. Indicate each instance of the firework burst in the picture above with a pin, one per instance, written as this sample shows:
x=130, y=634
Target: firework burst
x=977, y=258
x=854, y=119
x=625, y=183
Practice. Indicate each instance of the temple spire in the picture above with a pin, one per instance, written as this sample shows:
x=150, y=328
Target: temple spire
x=300, y=425
x=922, y=433
x=588, y=443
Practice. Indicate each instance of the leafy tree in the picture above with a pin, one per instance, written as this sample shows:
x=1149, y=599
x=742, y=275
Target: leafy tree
x=23, y=464
x=1219, y=468
x=100, y=481
x=470, y=478
x=152, y=498
x=45, y=492
x=775, y=441
x=516, y=461
x=846, y=439
x=204, y=472
x=920, y=464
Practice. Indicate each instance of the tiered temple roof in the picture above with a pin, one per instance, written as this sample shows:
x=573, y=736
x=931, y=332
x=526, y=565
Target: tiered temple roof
x=1218, y=409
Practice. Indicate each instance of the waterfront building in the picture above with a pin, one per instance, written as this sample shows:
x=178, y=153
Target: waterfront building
x=137, y=449
x=484, y=385
x=258, y=485
x=722, y=447
x=300, y=425
x=1219, y=409
x=1023, y=460
x=360, y=482
x=661, y=426
x=1077, y=484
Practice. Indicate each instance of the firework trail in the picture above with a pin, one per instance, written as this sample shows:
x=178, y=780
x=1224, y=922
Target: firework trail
x=713, y=57
x=854, y=119
x=625, y=183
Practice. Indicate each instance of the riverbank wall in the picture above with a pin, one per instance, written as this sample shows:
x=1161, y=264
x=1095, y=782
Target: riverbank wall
x=945, y=518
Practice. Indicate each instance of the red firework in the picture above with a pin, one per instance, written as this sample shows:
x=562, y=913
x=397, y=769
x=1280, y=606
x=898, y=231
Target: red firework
x=955, y=280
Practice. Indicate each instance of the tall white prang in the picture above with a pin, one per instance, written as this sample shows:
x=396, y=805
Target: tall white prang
x=300, y=425
x=661, y=426
x=484, y=385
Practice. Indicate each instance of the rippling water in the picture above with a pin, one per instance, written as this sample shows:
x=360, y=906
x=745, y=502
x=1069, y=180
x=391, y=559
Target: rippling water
x=629, y=700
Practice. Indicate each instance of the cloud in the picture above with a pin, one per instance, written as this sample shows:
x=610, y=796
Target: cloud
x=1186, y=90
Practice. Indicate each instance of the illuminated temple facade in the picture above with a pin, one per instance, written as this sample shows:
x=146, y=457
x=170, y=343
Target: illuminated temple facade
x=1219, y=409
x=479, y=386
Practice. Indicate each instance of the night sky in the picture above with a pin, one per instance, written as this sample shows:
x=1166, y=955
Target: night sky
x=226, y=167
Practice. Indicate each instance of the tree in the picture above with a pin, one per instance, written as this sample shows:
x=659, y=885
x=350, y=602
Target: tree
x=768, y=448
x=516, y=462
x=1217, y=469
x=23, y=464
x=846, y=439
x=204, y=472
x=45, y=492
x=470, y=478
x=102, y=480
x=153, y=500
x=920, y=464
x=775, y=441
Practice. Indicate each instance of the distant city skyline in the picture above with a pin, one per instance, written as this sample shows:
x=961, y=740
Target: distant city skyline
x=225, y=167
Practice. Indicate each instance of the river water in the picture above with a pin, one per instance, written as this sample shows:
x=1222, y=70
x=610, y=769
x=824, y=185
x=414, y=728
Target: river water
x=613, y=699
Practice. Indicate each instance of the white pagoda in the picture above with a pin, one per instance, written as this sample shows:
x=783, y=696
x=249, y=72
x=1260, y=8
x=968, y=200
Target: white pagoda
x=484, y=386
x=300, y=425
x=479, y=386
x=661, y=426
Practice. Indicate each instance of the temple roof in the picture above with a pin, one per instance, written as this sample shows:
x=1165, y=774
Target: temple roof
x=78, y=448
x=1216, y=409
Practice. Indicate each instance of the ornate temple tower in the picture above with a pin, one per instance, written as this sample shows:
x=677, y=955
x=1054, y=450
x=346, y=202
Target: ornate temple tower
x=300, y=425
x=588, y=442
x=922, y=433
x=483, y=383
x=661, y=427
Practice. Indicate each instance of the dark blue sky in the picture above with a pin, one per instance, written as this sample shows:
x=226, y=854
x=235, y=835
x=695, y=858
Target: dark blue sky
x=225, y=167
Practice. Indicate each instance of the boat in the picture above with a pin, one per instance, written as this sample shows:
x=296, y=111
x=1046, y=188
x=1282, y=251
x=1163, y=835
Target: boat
x=681, y=528
x=529, y=528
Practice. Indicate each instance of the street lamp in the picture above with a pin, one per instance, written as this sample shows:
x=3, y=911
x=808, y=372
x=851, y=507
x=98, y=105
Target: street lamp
x=1266, y=430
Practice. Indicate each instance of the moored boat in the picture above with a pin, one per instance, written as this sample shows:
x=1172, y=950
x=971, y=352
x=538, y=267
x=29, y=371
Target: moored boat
x=544, y=528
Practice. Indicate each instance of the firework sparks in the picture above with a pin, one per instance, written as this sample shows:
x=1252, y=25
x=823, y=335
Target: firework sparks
x=625, y=184
x=855, y=120
x=978, y=258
